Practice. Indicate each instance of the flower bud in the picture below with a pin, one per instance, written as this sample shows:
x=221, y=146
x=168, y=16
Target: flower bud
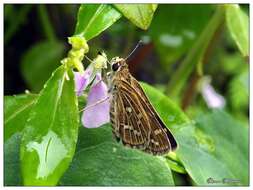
x=78, y=42
x=100, y=61
x=76, y=53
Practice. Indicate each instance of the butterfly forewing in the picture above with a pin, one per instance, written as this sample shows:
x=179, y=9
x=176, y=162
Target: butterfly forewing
x=134, y=120
x=126, y=124
x=153, y=114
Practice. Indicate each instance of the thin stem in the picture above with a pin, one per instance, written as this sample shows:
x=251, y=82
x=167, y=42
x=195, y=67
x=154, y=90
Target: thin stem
x=195, y=55
x=46, y=24
x=190, y=91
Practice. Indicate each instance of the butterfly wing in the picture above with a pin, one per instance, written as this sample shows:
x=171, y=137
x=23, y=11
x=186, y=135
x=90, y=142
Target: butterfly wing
x=135, y=121
x=153, y=114
x=127, y=126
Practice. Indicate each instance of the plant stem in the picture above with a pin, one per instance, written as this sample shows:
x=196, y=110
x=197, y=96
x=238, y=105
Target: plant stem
x=196, y=54
x=47, y=26
x=190, y=91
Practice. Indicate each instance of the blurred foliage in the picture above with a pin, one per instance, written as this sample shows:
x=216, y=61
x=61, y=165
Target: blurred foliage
x=182, y=44
x=35, y=60
x=175, y=35
x=14, y=19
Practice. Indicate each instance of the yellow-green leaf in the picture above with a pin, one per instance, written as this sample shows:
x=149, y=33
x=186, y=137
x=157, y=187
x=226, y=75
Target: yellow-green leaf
x=94, y=19
x=139, y=14
x=238, y=25
x=50, y=134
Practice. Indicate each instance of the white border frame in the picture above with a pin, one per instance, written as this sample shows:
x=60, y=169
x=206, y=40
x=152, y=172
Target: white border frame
x=113, y=1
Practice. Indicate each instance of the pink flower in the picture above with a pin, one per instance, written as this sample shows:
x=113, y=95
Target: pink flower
x=96, y=111
x=211, y=97
x=82, y=80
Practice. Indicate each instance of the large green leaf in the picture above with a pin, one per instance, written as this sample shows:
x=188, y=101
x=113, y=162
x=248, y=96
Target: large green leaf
x=101, y=161
x=50, y=134
x=175, y=28
x=40, y=61
x=139, y=14
x=199, y=163
x=207, y=149
x=16, y=111
x=94, y=19
x=238, y=25
x=229, y=144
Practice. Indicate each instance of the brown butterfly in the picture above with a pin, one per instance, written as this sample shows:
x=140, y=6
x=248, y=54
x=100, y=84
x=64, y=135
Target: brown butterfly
x=134, y=120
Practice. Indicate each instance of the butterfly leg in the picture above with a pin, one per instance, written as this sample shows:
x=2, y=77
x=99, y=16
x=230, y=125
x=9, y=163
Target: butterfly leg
x=98, y=102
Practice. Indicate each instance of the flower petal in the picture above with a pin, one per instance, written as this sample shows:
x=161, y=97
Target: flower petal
x=82, y=80
x=211, y=97
x=96, y=112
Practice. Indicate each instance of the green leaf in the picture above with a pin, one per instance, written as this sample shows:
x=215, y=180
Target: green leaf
x=238, y=25
x=101, y=161
x=232, y=64
x=12, y=173
x=16, y=111
x=231, y=143
x=171, y=114
x=139, y=14
x=239, y=90
x=207, y=149
x=177, y=33
x=94, y=19
x=199, y=163
x=39, y=62
x=50, y=134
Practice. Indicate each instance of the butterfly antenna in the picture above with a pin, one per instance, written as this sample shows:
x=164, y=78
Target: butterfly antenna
x=87, y=58
x=138, y=44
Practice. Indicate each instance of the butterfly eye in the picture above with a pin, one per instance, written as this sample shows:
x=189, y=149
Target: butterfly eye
x=115, y=66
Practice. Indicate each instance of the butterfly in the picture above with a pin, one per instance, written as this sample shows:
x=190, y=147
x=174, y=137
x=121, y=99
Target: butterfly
x=134, y=120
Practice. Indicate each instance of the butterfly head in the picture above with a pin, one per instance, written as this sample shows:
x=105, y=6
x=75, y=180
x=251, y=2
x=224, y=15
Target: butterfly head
x=118, y=64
